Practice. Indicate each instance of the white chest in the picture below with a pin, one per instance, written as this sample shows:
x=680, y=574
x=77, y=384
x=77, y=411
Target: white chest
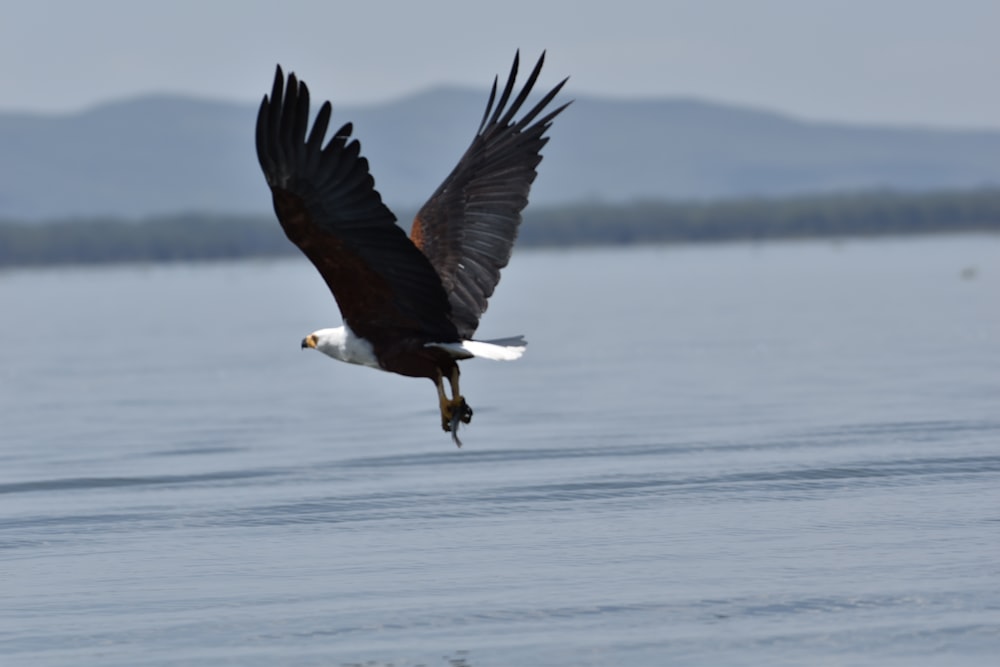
x=344, y=345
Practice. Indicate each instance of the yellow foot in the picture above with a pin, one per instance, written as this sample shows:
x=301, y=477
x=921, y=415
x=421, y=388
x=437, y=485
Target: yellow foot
x=454, y=412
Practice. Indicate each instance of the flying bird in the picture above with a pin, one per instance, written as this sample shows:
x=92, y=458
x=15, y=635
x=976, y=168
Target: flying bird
x=410, y=304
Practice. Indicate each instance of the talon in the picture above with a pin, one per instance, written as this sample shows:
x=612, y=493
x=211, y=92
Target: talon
x=453, y=412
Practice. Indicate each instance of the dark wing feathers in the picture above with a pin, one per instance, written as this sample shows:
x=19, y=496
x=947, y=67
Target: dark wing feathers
x=326, y=201
x=468, y=226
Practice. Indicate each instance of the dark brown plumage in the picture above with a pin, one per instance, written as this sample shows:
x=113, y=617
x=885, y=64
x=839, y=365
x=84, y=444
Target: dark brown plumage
x=396, y=294
x=468, y=226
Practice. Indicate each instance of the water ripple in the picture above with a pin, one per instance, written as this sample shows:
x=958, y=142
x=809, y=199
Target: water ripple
x=88, y=483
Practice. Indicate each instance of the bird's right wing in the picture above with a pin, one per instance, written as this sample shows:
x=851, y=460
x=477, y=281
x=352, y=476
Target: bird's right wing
x=327, y=204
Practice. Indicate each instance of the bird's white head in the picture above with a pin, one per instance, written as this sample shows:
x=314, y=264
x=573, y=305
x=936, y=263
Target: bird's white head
x=342, y=344
x=328, y=341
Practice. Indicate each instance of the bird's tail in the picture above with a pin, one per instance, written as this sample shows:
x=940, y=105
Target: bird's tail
x=497, y=349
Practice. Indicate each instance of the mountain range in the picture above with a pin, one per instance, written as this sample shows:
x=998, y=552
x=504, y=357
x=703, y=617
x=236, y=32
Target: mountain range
x=159, y=155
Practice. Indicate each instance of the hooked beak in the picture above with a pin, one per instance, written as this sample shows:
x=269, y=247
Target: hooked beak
x=309, y=341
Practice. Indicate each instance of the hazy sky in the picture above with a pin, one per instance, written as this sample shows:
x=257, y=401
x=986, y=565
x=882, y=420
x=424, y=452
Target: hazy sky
x=918, y=62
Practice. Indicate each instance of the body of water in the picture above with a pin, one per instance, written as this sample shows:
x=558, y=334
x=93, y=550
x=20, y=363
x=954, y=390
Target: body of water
x=777, y=454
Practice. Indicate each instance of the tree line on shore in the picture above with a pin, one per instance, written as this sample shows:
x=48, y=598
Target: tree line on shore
x=199, y=236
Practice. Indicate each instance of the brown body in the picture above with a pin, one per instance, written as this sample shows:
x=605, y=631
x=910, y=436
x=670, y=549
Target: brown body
x=408, y=356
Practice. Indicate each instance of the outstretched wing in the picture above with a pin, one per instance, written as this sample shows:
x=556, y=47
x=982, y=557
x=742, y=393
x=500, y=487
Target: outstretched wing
x=327, y=204
x=468, y=226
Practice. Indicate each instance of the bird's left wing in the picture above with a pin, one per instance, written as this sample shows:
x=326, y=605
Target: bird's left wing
x=327, y=204
x=468, y=226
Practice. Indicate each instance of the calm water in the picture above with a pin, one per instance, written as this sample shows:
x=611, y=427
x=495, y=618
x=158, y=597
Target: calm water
x=778, y=454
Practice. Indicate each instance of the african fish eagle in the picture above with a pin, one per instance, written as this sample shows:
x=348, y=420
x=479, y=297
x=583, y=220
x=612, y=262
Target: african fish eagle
x=410, y=305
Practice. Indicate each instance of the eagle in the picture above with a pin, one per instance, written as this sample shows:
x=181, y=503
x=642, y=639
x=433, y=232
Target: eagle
x=409, y=304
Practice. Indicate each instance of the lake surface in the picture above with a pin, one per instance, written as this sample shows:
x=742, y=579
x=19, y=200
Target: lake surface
x=776, y=454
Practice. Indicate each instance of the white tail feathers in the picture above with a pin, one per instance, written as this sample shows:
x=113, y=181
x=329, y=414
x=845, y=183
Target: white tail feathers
x=500, y=349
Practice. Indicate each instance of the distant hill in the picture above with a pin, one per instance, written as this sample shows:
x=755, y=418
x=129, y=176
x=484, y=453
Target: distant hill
x=161, y=154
